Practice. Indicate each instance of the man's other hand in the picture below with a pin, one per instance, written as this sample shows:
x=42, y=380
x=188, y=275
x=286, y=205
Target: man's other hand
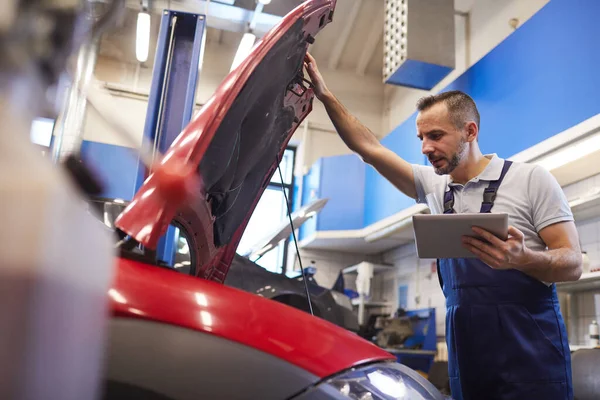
x=497, y=253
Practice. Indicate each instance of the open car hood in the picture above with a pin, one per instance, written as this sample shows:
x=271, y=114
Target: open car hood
x=235, y=142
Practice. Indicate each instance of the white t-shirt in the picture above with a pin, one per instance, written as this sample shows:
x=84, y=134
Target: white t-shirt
x=529, y=194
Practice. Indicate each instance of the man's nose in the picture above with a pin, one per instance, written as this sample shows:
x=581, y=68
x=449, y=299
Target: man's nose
x=426, y=147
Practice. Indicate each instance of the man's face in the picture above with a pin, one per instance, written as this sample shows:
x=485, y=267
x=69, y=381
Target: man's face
x=442, y=142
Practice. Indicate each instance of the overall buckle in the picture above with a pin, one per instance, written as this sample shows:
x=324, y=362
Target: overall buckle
x=489, y=195
x=448, y=205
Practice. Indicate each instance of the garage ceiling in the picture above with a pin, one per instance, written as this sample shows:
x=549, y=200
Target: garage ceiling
x=353, y=42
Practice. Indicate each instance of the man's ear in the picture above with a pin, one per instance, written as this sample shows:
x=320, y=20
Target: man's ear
x=472, y=131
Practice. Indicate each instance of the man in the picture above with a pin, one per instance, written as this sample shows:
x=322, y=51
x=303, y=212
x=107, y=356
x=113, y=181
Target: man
x=505, y=333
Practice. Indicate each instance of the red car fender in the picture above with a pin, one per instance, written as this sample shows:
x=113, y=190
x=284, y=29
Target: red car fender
x=162, y=295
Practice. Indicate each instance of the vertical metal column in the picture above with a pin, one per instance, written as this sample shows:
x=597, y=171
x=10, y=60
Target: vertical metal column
x=173, y=93
x=69, y=125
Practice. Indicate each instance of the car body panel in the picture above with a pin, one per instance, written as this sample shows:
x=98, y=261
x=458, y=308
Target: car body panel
x=163, y=295
x=188, y=365
x=250, y=277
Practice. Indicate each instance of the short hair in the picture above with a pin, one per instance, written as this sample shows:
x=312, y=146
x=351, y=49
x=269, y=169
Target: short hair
x=460, y=106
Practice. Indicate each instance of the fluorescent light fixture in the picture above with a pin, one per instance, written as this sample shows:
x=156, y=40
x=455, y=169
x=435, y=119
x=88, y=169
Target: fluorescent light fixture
x=142, y=40
x=265, y=2
x=243, y=50
x=202, y=47
x=571, y=152
x=41, y=131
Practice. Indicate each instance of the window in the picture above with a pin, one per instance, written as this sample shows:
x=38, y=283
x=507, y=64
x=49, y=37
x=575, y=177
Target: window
x=269, y=214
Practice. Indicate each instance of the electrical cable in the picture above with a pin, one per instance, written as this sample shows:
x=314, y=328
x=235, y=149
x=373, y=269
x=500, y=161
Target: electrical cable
x=294, y=235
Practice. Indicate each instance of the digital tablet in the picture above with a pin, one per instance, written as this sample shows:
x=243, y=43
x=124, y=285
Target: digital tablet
x=440, y=235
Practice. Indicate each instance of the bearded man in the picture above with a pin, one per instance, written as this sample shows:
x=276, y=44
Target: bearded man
x=505, y=333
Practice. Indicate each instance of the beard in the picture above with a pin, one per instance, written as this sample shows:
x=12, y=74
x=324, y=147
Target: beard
x=453, y=161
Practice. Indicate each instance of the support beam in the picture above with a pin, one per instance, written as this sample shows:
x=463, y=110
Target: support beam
x=336, y=53
x=172, y=94
x=370, y=44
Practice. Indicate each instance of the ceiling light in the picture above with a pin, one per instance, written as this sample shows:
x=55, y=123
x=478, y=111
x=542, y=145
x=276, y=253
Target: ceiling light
x=243, y=50
x=142, y=41
x=265, y=2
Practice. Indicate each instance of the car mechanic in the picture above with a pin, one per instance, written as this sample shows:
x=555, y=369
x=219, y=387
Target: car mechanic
x=505, y=333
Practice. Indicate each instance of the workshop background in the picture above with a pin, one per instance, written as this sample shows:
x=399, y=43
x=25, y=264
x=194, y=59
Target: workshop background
x=531, y=66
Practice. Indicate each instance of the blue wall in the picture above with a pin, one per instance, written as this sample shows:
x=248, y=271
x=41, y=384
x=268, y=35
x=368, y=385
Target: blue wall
x=310, y=192
x=341, y=179
x=540, y=81
x=382, y=199
x=343, y=183
x=115, y=166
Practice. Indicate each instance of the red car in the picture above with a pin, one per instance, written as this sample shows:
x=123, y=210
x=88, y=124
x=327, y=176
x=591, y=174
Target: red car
x=174, y=336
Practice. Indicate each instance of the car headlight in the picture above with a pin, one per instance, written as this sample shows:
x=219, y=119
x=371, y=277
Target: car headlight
x=383, y=381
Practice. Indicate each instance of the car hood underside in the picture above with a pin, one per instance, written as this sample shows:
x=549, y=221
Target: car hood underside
x=235, y=142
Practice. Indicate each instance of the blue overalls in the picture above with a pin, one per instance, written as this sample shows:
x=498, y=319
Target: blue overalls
x=505, y=334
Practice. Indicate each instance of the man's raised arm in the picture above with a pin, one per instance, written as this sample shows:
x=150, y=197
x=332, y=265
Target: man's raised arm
x=359, y=138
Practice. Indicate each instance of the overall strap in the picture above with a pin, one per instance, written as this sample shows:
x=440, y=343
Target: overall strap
x=449, y=201
x=489, y=194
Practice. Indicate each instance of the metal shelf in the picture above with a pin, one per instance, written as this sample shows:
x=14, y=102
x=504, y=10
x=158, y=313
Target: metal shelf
x=356, y=302
x=376, y=268
x=588, y=281
x=411, y=351
x=586, y=207
x=575, y=347
x=361, y=302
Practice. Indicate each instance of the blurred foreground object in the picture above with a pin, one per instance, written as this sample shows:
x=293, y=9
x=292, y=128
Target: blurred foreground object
x=55, y=258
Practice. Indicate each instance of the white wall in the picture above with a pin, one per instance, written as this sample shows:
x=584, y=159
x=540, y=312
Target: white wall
x=134, y=107
x=362, y=96
x=489, y=25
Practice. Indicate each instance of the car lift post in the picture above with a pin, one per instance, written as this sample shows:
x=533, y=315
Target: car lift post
x=172, y=98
